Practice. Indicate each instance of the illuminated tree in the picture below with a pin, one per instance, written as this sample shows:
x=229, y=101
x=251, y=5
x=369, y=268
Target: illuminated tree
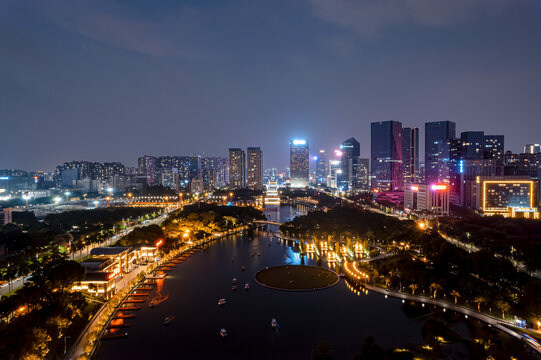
x=456, y=295
x=413, y=287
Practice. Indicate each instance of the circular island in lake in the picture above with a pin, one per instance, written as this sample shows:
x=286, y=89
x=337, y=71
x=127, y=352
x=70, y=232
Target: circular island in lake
x=297, y=278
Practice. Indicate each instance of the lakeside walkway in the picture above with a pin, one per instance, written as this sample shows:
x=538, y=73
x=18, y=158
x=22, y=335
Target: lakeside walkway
x=492, y=321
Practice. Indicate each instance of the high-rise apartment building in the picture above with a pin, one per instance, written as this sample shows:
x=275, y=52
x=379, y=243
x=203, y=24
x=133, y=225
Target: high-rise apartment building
x=437, y=137
x=147, y=168
x=214, y=172
x=237, y=167
x=255, y=168
x=351, y=150
x=322, y=167
x=299, y=169
x=410, y=154
x=386, y=155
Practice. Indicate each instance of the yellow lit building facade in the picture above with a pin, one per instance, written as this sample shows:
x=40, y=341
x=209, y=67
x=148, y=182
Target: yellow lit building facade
x=513, y=196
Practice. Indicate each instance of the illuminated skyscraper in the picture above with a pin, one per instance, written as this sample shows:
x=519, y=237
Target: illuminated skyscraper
x=410, y=154
x=350, y=157
x=386, y=155
x=255, y=168
x=322, y=167
x=437, y=137
x=237, y=165
x=299, y=164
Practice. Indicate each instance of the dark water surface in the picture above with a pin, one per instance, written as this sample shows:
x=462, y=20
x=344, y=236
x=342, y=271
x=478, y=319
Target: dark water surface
x=336, y=314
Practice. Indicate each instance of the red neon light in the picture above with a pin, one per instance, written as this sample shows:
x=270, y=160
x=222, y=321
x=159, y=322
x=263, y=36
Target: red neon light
x=414, y=188
x=159, y=243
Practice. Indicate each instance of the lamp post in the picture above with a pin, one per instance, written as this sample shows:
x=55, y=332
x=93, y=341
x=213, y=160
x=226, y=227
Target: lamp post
x=67, y=193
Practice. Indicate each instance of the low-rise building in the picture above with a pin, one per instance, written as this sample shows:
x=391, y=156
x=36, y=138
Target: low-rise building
x=431, y=199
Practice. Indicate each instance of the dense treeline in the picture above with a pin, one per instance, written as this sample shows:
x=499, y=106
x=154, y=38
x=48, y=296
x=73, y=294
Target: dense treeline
x=519, y=239
x=35, y=319
x=82, y=227
x=343, y=222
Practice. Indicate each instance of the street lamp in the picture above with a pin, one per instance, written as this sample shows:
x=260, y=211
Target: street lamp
x=67, y=193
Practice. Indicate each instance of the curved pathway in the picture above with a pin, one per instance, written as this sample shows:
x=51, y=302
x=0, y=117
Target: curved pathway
x=497, y=323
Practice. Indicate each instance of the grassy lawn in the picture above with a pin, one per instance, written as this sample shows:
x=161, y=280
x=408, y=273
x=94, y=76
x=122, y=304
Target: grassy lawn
x=296, y=277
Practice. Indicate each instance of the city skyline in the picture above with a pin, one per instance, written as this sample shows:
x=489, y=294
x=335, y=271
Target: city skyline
x=75, y=83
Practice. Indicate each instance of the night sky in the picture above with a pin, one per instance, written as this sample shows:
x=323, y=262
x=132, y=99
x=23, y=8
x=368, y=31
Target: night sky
x=113, y=80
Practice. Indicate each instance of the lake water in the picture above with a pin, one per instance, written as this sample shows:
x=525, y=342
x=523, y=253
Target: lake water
x=193, y=288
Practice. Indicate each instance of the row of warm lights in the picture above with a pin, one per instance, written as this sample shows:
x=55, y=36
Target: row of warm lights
x=356, y=290
x=356, y=273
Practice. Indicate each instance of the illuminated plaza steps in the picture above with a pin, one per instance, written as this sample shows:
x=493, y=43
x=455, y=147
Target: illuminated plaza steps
x=129, y=308
x=133, y=301
x=145, y=288
x=164, y=268
x=123, y=316
x=139, y=294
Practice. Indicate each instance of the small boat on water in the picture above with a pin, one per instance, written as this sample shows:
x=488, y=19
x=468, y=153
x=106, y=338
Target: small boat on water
x=222, y=301
x=234, y=280
x=234, y=287
x=274, y=323
x=166, y=321
x=242, y=268
x=246, y=286
x=223, y=333
x=258, y=254
x=252, y=254
x=232, y=260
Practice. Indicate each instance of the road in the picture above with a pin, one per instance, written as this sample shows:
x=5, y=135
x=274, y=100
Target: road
x=78, y=255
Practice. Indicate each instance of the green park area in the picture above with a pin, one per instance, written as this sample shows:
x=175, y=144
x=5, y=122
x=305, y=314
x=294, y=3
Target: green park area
x=296, y=277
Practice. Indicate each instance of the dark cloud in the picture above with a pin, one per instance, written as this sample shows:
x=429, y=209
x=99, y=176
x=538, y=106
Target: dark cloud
x=112, y=80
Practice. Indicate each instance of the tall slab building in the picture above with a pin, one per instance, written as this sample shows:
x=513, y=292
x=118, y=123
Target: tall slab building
x=322, y=167
x=255, y=168
x=237, y=166
x=386, y=155
x=438, y=136
x=299, y=165
x=351, y=151
x=410, y=154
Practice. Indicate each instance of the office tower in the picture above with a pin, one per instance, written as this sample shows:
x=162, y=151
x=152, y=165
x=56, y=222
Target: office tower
x=410, y=155
x=437, y=136
x=494, y=147
x=513, y=196
x=350, y=155
x=299, y=164
x=237, y=165
x=532, y=149
x=322, y=167
x=147, y=167
x=214, y=172
x=361, y=181
x=335, y=168
x=255, y=168
x=473, y=144
x=386, y=155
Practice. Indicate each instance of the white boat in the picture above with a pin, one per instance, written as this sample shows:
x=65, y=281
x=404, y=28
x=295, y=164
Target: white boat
x=258, y=254
x=242, y=268
x=166, y=321
x=274, y=323
x=234, y=280
x=222, y=301
x=223, y=333
x=234, y=287
x=246, y=286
